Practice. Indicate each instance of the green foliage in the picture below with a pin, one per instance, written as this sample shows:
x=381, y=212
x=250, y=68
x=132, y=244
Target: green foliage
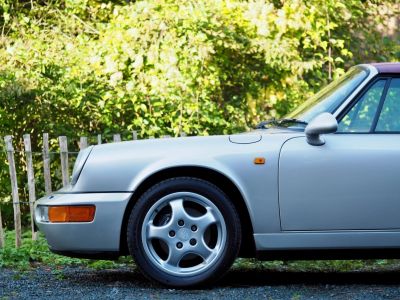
x=317, y=265
x=161, y=67
x=33, y=253
x=79, y=67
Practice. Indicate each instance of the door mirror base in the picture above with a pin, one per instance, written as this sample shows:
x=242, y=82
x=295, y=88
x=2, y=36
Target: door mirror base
x=315, y=140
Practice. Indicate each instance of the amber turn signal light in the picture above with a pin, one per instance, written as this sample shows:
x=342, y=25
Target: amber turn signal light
x=259, y=161
x=65, y=214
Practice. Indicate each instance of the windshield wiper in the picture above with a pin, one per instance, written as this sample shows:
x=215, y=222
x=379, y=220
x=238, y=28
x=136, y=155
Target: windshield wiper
x=296, y=121
x=262, y=124
x=279, y=122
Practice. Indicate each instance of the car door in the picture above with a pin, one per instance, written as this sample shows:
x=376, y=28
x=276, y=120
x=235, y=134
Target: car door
x=352, y=182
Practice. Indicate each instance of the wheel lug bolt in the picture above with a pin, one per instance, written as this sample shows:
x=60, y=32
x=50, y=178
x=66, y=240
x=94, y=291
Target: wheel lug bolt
x=193, y=242
x=181, y=223
x=179, y=245
x=172, y=233
x=194, y=227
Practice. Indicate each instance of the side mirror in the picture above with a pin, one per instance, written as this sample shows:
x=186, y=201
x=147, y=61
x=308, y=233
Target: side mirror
x=322, y=124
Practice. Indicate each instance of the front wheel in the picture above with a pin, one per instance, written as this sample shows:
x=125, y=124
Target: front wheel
x=184, y=232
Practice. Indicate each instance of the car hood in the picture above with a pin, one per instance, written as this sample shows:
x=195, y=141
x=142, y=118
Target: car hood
x=117, y=166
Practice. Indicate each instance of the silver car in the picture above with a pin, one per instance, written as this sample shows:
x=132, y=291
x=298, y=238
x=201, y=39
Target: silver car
x=322, y=183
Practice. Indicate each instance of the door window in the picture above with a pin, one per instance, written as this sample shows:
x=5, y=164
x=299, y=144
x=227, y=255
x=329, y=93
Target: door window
x=389, y=118
x=361, y=116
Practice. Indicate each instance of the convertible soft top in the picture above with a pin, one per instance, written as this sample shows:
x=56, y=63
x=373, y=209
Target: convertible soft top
x=387, y=67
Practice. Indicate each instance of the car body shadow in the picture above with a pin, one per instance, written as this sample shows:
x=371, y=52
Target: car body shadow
x=243, y=278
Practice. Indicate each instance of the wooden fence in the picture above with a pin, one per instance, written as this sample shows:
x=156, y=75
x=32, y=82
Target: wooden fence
x=63, y=152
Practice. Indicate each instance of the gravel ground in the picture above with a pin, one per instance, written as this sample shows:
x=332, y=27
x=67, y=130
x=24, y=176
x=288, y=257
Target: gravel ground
x=82, y=283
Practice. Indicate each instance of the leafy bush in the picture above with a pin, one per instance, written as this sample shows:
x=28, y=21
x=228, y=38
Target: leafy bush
x=79, y=67
x=161, y=66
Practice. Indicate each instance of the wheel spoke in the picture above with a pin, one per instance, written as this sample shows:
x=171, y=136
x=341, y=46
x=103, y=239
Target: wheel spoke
x=174, y=257
x=207, y=219
x=203, y=250
x=178, y=211
x=157, y=232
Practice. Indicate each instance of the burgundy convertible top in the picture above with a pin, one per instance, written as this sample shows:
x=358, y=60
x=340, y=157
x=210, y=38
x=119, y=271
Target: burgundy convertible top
x=387, y=67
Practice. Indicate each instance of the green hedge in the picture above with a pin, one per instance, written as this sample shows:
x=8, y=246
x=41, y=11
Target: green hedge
x=79, y=67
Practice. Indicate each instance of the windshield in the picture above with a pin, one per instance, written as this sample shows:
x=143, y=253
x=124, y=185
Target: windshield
x=330, y=97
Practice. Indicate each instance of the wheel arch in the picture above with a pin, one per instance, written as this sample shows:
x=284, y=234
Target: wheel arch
x=207, y=174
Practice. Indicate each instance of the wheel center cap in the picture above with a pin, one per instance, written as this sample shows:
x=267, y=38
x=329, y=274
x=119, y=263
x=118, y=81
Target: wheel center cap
x=184, y=234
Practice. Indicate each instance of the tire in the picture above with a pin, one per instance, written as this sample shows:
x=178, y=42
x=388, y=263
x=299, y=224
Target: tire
x=184, y=232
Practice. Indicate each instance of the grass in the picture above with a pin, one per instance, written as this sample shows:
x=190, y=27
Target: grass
x=319, y=265
x=35, y=253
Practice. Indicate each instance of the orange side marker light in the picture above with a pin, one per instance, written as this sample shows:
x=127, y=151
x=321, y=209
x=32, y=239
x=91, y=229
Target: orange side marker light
x=66, y=214
x=259, y=161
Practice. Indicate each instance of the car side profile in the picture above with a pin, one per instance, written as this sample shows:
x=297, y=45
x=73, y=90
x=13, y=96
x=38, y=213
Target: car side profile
x=322, y=182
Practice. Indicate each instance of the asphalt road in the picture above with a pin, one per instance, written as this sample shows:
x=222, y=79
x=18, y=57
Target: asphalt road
x=81, y=283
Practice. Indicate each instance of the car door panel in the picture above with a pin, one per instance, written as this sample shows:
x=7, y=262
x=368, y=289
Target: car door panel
x=350, y=183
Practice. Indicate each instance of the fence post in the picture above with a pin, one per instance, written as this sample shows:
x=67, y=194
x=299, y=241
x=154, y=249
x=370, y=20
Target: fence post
x=31, y=180
x=14, y=188
x=134, y=135
x=83, y=143
x=117, y=138
x=46, y=164
x=64, y=159
x=2, y=240
x=99, y=139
